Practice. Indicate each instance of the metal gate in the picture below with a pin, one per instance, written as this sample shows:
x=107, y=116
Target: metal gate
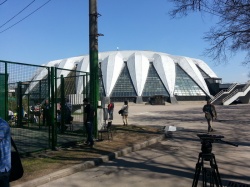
x=24, y=90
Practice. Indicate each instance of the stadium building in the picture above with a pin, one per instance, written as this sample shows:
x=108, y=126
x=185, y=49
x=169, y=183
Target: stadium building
x=142, y=76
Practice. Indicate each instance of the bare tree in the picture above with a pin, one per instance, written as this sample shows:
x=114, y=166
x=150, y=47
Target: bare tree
x=232, y=32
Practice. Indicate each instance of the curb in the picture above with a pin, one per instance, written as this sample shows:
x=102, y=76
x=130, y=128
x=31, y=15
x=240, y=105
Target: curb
x=89, y=164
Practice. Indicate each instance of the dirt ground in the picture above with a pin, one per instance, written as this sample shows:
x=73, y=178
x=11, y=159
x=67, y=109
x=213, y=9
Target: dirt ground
x=44, y=163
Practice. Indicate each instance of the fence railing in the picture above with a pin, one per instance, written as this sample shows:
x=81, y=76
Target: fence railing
x=24, y=89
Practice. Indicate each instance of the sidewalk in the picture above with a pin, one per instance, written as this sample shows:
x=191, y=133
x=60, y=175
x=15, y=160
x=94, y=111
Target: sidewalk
x=233, y=123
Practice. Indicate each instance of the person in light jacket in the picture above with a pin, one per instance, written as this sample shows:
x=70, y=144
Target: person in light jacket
x=125, y=113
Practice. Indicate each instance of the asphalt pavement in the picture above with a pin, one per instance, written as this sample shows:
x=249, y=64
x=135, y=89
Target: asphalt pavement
x=171, y=162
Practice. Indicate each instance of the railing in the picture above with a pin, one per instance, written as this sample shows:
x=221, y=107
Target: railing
x=235, y=92
x=245, y=87
x=231, y=95
x=217, y=95
x=222, y=92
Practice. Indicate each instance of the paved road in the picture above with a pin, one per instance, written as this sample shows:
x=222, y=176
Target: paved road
x=171, y=162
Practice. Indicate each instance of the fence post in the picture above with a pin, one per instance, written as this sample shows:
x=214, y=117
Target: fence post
x=52, y=108
x=55, y=121
x=19, y=104
x=40, y=102
x=49, y=98
x=6, y=92
x=62, y=104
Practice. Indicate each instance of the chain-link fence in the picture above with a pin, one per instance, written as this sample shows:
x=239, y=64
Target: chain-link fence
x=33, y=101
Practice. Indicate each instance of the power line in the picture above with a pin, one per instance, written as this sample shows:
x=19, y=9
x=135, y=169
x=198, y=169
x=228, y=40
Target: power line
x=17, y=14
x=25, y=17
x=3, y=2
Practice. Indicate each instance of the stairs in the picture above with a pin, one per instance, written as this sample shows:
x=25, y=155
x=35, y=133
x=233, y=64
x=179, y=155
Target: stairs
x=217, y=99
x=244, y=92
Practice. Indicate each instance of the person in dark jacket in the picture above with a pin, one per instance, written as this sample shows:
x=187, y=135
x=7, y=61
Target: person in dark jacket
x=46, y=114
x=68, y=111
x=110, y=110
x=210, y=114
x=89, y=114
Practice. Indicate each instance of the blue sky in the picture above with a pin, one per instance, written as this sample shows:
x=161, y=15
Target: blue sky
x=60, y=30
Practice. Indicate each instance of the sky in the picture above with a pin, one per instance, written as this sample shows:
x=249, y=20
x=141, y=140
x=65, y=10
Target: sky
x=58, y=29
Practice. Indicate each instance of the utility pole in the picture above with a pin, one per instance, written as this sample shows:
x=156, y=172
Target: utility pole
x=93, y=59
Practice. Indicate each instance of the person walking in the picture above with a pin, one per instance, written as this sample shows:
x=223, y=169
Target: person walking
x=46, y=114
x=210, y=114
x=110, y=110
x=5, y=153
x=68, y=112
x=124, y=113
x=89, y=114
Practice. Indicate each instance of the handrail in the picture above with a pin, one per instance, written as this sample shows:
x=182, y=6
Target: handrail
x=235, y=92
x=246, y=86
x=230, y=95
x=218, y=95
x=224, y=91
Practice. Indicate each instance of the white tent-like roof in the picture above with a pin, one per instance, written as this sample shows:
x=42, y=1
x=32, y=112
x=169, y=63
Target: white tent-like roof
x=138, y=63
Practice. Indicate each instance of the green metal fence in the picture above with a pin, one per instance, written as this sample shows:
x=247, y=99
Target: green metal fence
x=24, y=89
x=2, y=94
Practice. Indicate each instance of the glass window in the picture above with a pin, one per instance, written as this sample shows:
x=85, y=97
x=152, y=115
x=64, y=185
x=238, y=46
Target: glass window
x=124, y=86
x=184, y=85
x=154, y=85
